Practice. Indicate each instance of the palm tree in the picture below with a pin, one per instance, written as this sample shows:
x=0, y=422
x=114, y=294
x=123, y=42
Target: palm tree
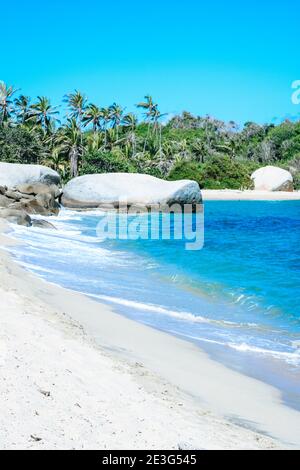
x=94, y=142
x=151, y=110
x=6, y=93
x=116, y=115
x=69, y=139
x=105, y=119
x=199, y=149
x=93, y=115
x=76, y=103
x=22, y=108
x=157, y=126
x=148, y=105
x=230, y=147
x=129, y=122
x=56, y=159
x=44, y=113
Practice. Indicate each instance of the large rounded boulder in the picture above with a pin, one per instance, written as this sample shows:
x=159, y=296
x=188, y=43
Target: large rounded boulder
x=100, y=190
x=14, y=174
x=272, y=178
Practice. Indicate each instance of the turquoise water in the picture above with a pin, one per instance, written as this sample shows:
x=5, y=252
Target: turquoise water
x=238, y=297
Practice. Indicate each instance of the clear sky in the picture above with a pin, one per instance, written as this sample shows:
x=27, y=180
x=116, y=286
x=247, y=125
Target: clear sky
x=231, y=59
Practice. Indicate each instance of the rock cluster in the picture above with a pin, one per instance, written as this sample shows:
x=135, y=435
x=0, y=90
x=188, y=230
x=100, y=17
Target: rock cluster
x=18, y=203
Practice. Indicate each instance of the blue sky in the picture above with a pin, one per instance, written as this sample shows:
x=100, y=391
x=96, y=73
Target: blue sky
x=229, y=59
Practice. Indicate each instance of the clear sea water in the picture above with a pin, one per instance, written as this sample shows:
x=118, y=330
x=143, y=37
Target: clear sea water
x=238, y=298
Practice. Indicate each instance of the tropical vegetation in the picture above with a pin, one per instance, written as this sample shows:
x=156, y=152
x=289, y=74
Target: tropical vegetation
x=83, y=137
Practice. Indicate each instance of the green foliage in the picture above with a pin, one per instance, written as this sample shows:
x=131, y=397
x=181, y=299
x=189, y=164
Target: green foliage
x=225, y=173
x=286, y=140
x=21, y=145
x=105, y=162
x=294, y=167
x=217, y=173
x=186, y=170
x=107, y=139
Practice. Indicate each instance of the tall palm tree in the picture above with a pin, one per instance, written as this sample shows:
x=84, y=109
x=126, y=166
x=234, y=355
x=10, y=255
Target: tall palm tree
x=69, y=139
x=148, y=105
x=6, y=94
x=150, y=108
x=157, y=126
x=93, y=115
x=77, y=103
x=105, y=120
x=22, y=108
x=116, y=116
x=44, y=113
x=129, y=122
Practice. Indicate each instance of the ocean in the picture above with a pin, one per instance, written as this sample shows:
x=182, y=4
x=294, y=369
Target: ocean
x=238, y=298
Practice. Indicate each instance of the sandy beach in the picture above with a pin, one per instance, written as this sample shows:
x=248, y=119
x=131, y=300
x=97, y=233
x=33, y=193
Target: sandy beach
x=235, y=195
x=76, y=375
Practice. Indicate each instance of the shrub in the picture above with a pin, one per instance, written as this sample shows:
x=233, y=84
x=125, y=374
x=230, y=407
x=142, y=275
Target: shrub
x=294, y=167
x=20, y=145
x=219, y=172
x=186, y=170
x=105, y=162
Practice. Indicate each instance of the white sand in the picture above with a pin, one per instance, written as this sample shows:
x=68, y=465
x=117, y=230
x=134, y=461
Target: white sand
x=233, y=195
x=116, y=384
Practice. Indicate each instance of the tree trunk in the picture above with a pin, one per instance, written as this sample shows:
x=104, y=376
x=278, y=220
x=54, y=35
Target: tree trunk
x=74, y=162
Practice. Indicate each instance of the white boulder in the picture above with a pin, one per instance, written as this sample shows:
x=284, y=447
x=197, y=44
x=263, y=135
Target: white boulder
x=92, y=191
x=14, y=174
x=272, y=178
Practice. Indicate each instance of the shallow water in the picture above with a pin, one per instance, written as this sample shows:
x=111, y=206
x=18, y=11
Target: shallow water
x=238, y=297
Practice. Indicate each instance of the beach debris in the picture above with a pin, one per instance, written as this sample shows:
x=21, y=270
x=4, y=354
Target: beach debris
x=45, y=393
x=35, y=438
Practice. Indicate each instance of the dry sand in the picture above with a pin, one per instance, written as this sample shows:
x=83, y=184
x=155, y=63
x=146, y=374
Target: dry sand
x=76, y=375
x=234, y=195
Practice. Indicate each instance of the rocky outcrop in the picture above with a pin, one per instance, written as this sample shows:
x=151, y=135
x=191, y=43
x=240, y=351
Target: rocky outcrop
x=16, y=217
x=104, y=190
x=38, y=199
x=14, y=174
x=39, y=188
x=272, y=178
x=39, y=223
x=28, y=190
x=4, y=201
x=20, y=217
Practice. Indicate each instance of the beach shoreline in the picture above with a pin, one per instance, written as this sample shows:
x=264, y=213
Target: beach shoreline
x=248, y=195
x=82, y=352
